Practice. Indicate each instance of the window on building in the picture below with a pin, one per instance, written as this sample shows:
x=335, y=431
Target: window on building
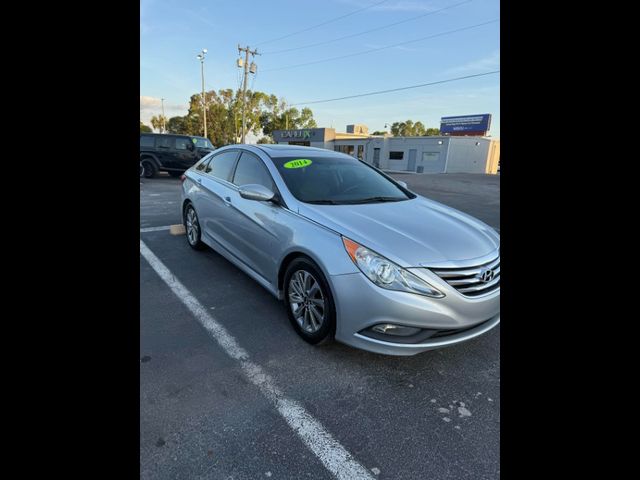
x=396, y=155
x=147, y=141
x=361, y=152
x=348, y=149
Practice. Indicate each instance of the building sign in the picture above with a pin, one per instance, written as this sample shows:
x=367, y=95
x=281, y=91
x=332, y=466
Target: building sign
x=466, y=125
x=304, y=135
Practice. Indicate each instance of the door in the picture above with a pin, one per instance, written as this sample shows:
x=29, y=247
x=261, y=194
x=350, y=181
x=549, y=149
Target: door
x=254, y=228
x=376, y=157
x=432, y=162
x=411, y=167
x=215, y=194
x=185, y=155
x=164, y=150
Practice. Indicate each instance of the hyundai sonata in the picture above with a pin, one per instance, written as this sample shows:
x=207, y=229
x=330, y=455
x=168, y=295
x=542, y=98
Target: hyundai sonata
x=353, y=254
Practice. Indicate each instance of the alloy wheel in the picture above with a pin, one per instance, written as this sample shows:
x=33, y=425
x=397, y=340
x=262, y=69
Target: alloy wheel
x=193, y=228
x=306, y=301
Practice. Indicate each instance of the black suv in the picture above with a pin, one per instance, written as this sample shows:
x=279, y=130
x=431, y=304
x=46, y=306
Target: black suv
x=170, y=153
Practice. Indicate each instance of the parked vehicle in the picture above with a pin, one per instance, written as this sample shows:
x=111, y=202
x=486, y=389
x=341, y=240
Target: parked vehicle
x=353, y=254
x=170, y=153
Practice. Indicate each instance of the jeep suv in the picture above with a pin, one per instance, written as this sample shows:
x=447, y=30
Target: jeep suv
x=170, y=153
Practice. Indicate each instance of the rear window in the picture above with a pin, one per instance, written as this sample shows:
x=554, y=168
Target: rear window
x=336, y=180
x=147, y=141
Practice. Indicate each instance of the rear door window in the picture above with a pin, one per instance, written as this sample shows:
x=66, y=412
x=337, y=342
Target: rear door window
x=147, y=141
x=221, y=165
x=164, y=142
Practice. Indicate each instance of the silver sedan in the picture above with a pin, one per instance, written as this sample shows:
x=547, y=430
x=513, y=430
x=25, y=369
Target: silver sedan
x=353, y=254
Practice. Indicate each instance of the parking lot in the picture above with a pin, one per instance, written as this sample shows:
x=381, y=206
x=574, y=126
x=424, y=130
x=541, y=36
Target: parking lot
x=282, y=408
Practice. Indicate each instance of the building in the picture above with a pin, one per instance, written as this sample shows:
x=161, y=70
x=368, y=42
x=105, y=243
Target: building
x=441, y=154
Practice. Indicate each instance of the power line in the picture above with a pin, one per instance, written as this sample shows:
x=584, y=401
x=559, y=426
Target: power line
x=323, y=23
x=383, y=48
x=397, y=89
x=368, y=31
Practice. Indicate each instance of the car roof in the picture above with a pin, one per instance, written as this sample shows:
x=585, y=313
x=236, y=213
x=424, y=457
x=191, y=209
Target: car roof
x=275, y=150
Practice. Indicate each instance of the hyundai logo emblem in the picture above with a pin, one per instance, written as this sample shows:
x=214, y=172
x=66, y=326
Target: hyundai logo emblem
x=486, y=275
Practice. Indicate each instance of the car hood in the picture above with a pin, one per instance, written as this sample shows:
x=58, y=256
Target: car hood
x=413, y=233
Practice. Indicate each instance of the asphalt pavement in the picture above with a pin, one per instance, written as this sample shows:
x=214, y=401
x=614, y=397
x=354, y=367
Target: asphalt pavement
x=435, y=415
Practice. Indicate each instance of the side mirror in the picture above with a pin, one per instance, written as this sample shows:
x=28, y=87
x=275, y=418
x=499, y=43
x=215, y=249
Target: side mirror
x=402, y=184
x=256, y=192
x=191, y=146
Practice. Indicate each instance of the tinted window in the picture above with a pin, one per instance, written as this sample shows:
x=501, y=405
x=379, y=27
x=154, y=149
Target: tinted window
x=250, y=169
x=204, y=163
x=182, y=143
x=336, y=180
x=146, y=141
x=396, y=155
x=164, y=141
x=221, y=165
x=202, y=142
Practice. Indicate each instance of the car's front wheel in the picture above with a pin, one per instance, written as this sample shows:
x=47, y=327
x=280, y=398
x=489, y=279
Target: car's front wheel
x=192, y=227
x=309, y=302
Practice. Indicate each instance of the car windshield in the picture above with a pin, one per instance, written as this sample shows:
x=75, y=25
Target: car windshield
x=203, y=142
x=335, y=180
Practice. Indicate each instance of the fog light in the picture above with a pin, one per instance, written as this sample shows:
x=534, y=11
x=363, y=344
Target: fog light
x=391, y=329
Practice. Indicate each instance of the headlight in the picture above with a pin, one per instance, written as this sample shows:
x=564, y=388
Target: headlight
x=386, y=274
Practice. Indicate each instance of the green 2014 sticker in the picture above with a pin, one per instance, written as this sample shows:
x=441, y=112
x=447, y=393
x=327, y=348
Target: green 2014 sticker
x=299, y=163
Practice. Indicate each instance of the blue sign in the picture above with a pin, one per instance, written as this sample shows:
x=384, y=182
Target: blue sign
x=465, y=123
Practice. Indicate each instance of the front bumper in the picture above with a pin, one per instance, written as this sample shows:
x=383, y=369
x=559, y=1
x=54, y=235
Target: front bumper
x=360, y=304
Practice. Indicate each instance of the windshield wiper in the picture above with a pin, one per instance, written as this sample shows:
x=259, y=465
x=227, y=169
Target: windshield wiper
x=376, y=200
x=322, y=202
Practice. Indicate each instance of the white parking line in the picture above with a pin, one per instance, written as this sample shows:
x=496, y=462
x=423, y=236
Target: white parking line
x=329, y=451
x=155, y=229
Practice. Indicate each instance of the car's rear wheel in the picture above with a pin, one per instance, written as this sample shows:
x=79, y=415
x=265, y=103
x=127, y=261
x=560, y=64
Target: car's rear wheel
x=141, y=170
x=148, y=168
x=309, y=302
x=192, y=227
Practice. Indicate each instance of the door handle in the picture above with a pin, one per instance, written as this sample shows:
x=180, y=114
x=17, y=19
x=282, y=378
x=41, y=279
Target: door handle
x=199, y=180
x=227, y=200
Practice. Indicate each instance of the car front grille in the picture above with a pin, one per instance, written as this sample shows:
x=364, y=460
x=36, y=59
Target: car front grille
x=468, y=281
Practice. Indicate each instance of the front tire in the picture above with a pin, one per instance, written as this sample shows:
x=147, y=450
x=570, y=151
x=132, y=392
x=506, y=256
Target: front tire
x=309, y=302
x=192, y=227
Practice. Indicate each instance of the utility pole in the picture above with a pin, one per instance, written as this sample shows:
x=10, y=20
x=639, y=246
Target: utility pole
x=200, y=57
x=164, y=126
x=253, y=68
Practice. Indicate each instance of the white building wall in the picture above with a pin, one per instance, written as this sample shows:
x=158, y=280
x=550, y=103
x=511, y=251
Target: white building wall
x=468, y=155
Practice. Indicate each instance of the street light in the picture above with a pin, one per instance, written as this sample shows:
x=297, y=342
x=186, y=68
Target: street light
x=200, y=57
x=164, y=126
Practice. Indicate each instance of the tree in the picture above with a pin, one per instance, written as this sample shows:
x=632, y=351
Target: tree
x=378, y=132
x=145, y=128
x=224, y=116
x=409, y=129
x=433, y=131
x=158, y=122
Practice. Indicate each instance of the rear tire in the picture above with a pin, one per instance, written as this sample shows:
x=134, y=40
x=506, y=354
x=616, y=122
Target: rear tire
x=148, y=169
x=192, y=227
x=309, y=302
